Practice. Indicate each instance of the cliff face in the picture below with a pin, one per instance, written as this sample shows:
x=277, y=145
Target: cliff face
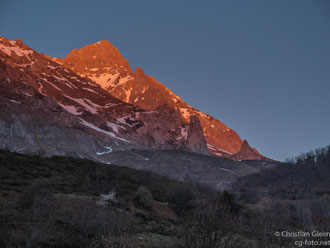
x=95, y=58
x=146, y=92
x=195, y=137
x=248, y=153
x=95, y=91
x=47, y=107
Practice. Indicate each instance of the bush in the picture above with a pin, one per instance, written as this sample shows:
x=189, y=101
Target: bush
x=143, y=198
x=210, y=224
x=181, y=200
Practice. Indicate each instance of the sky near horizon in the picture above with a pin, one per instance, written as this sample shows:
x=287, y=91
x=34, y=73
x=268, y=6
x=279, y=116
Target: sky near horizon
x=261, y=67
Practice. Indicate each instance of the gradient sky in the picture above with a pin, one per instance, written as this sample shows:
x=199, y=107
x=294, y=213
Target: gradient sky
x=261, y=67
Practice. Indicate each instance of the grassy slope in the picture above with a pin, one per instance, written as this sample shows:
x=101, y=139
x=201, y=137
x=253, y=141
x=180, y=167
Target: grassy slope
x=72, y=175
x=67, y=177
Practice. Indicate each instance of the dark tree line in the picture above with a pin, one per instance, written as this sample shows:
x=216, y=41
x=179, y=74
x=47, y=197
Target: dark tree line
x=66, y=202
x=303, y=177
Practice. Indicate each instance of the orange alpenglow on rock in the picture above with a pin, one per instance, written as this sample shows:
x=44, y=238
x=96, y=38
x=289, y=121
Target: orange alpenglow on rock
x=55, y=110
x=248, y=153
x=103, y=63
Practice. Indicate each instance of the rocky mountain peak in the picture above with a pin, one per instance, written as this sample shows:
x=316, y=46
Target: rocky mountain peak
x=15, y=52
x=20, y=44
x=248, y=153
x=94, y=58
x=247, y=148
x=35, y=89
x=196, y=139
x=102, y=63
x=138, y=71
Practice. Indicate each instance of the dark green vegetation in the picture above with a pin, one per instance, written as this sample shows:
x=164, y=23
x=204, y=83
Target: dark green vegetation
x=80, y=176
x=303, y=177
x=291, y=196
x=69, y=202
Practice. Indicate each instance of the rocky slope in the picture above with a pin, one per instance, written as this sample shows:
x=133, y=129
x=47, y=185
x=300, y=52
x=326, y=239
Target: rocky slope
x=217, y=172
x=46, y=107
x=248, y=153
x=103, y=63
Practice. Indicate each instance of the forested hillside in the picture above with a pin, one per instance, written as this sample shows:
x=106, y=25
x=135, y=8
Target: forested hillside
x=69, y=202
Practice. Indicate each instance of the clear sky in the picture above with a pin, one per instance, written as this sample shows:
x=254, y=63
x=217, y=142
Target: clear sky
x=261, y=67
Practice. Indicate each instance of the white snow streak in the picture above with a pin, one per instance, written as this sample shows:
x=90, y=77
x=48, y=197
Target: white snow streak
x=17, y=50
x=71, y=109
x=102, y=131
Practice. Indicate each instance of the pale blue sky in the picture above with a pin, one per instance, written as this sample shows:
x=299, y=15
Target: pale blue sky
x=261, y=67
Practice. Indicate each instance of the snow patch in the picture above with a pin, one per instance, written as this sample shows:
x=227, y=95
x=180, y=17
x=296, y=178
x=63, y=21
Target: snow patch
x=185, y=113
x=226, y=170
x=144, y=89
x=90, y=90
x=27, y=94
x=102, y=131
x=87, y=104
x=150, y=112
x=115, y=127
x=121, y=83
x=71, y=109
x=45, y=79
x=17, y=50
x=217, y=150
x=183, y=133
x=52, y=67
x=104, y=80
x=108, y=105
x=41, y=89
x=67, y=83
x=14, y=101
x=109, y=149
x=203, y=115
x=128, y=94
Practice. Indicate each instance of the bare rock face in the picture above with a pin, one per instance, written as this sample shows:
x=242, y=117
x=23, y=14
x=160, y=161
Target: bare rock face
x=138, y=109
x=98, y=56
x=100, y=62
x=147, y=93
x=248, y=153
x=195, y=137
x=48, y=109
x=35, y=89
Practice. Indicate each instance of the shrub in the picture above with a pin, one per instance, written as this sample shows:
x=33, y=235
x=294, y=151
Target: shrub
x=210, y=224
x=181, y=200
x=143, y=198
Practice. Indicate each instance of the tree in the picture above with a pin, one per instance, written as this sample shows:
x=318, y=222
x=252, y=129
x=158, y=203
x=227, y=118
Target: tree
x=143, y=198
x=211, y=225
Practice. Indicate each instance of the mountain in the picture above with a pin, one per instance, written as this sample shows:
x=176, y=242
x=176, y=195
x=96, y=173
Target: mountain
x=248, y=153
x=41, y=99
x=103, y=63
x=47, y=109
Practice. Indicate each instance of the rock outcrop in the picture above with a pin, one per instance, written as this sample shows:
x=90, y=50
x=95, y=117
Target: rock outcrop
x=40, y=96
x=195, y=138
x=48, y=109
x=146, y=92
x=248, y=153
